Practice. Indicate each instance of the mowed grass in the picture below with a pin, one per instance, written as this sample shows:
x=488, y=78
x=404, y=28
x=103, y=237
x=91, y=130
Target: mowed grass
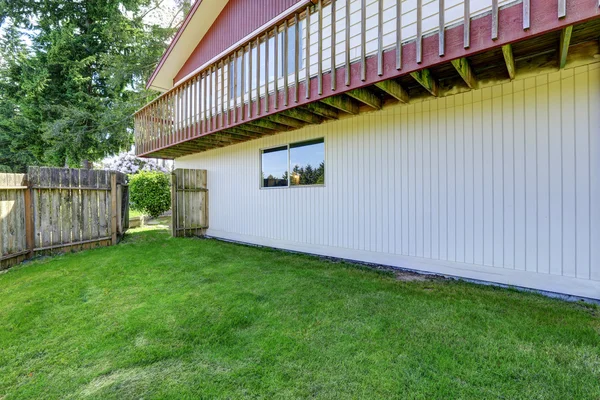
x=157, y=317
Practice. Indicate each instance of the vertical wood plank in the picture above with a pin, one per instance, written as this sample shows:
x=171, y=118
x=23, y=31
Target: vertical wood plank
x=113, y=213
x=307, y=55
x=174, y=204
x=45, y=208
x=65, y=205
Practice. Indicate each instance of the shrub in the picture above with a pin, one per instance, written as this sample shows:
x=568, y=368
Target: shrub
x=150, y=193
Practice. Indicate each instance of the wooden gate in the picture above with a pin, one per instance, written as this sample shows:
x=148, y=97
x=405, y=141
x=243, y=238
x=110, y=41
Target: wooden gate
x=189, y=202
x=51, y=210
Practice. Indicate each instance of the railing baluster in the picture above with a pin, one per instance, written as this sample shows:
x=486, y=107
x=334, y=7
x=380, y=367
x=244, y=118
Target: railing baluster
x=223, y=92
x=320, y=48
x=285, y=63
x=526, y=9
x=276, y=64
x=467, y=24
x=205, y=102
x=379, y=37
x=296, y=56
x=398, y=34
x=442, y=29
x=186, y=92
x=363, y=40
x=307, y=58
x=419, y=44
x=258, y=76
x=562, y=8
x=243, y=86
x=347, y=42
x=266, y=72
x=333, y=40
x=235, y=61
x=210, y=119
x=215, y=95
x=494, y=19
x=250, y=80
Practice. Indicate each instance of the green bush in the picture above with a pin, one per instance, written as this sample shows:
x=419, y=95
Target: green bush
x=150, y=193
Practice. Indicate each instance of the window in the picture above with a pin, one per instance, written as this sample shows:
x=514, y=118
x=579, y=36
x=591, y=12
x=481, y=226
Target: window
x=275, y=167
x=297, y=164
x=307, y=163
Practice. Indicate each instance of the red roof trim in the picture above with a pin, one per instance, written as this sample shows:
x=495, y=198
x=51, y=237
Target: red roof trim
x=167, y=52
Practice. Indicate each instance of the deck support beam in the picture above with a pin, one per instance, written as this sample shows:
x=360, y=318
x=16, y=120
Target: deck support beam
x=279, y=118
x=253, y=130
x=303, y=115
x=394, y=89
x=343, y=103
x=426, y=80
x=509, y=60
x=366, y=97
x=267, y=124
x=322, y=110
x=463, y=68
x=565, y=41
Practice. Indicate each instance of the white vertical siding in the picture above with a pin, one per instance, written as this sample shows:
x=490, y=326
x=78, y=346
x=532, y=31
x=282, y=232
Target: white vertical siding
x=501, y=183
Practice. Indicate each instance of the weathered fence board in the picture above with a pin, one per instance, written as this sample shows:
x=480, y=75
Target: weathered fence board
x=13, y=244
x=189, y=202
x=59, y=209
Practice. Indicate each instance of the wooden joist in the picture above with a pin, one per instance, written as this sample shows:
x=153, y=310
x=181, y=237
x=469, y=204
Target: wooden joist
x=424, y=78
x=509, y=60
x=322, y=110
x=565, y=41
x=394, y=89
x=303, y=115
x=366, y=97
x=256, y=129
x=264, y=123
x=242, y=132
x=282, y=119
x=463, y=68
x=343, y=103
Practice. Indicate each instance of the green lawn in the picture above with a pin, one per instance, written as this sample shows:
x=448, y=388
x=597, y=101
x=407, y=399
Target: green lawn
x=157, y=317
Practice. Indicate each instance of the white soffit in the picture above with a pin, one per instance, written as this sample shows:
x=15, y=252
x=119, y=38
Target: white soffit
x=187, y=38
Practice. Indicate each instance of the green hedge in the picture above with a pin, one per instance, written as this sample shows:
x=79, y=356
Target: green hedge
x=150, y=193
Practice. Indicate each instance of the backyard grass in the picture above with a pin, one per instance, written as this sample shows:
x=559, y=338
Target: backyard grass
x=157, y=317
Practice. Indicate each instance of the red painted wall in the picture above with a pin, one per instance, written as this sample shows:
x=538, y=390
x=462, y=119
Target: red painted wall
x=238, y=19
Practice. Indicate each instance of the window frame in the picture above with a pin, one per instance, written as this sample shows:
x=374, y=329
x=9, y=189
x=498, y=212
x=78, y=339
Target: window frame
x=288, y=147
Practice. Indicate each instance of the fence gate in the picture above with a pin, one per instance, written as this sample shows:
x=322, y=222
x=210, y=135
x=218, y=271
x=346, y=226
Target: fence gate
x=60, y=209
x=189, y=202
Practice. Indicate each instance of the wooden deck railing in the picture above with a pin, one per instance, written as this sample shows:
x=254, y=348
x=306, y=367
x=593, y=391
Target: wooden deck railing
x=275, y=70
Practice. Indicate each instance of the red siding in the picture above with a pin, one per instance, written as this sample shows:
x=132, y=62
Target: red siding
x=238, y=19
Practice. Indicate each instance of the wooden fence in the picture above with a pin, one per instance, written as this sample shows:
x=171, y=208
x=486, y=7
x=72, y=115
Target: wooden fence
x=189, y=199
x=60, y=209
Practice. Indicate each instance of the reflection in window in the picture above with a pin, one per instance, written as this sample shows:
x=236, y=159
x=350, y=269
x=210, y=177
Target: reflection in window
x=274, y=164
x=307, y=163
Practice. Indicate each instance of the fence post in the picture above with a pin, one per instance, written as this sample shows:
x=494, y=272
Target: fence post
x=113, y=193
x=174, y=204
x=29, y=226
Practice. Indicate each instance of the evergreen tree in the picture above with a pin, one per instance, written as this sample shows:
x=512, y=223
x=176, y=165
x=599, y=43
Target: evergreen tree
x=70, y=94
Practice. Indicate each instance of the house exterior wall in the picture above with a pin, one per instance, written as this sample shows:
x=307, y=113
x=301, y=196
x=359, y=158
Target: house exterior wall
x=499, y=184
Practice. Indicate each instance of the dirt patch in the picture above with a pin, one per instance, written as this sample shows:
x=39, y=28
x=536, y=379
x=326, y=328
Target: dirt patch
x=406, y=276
